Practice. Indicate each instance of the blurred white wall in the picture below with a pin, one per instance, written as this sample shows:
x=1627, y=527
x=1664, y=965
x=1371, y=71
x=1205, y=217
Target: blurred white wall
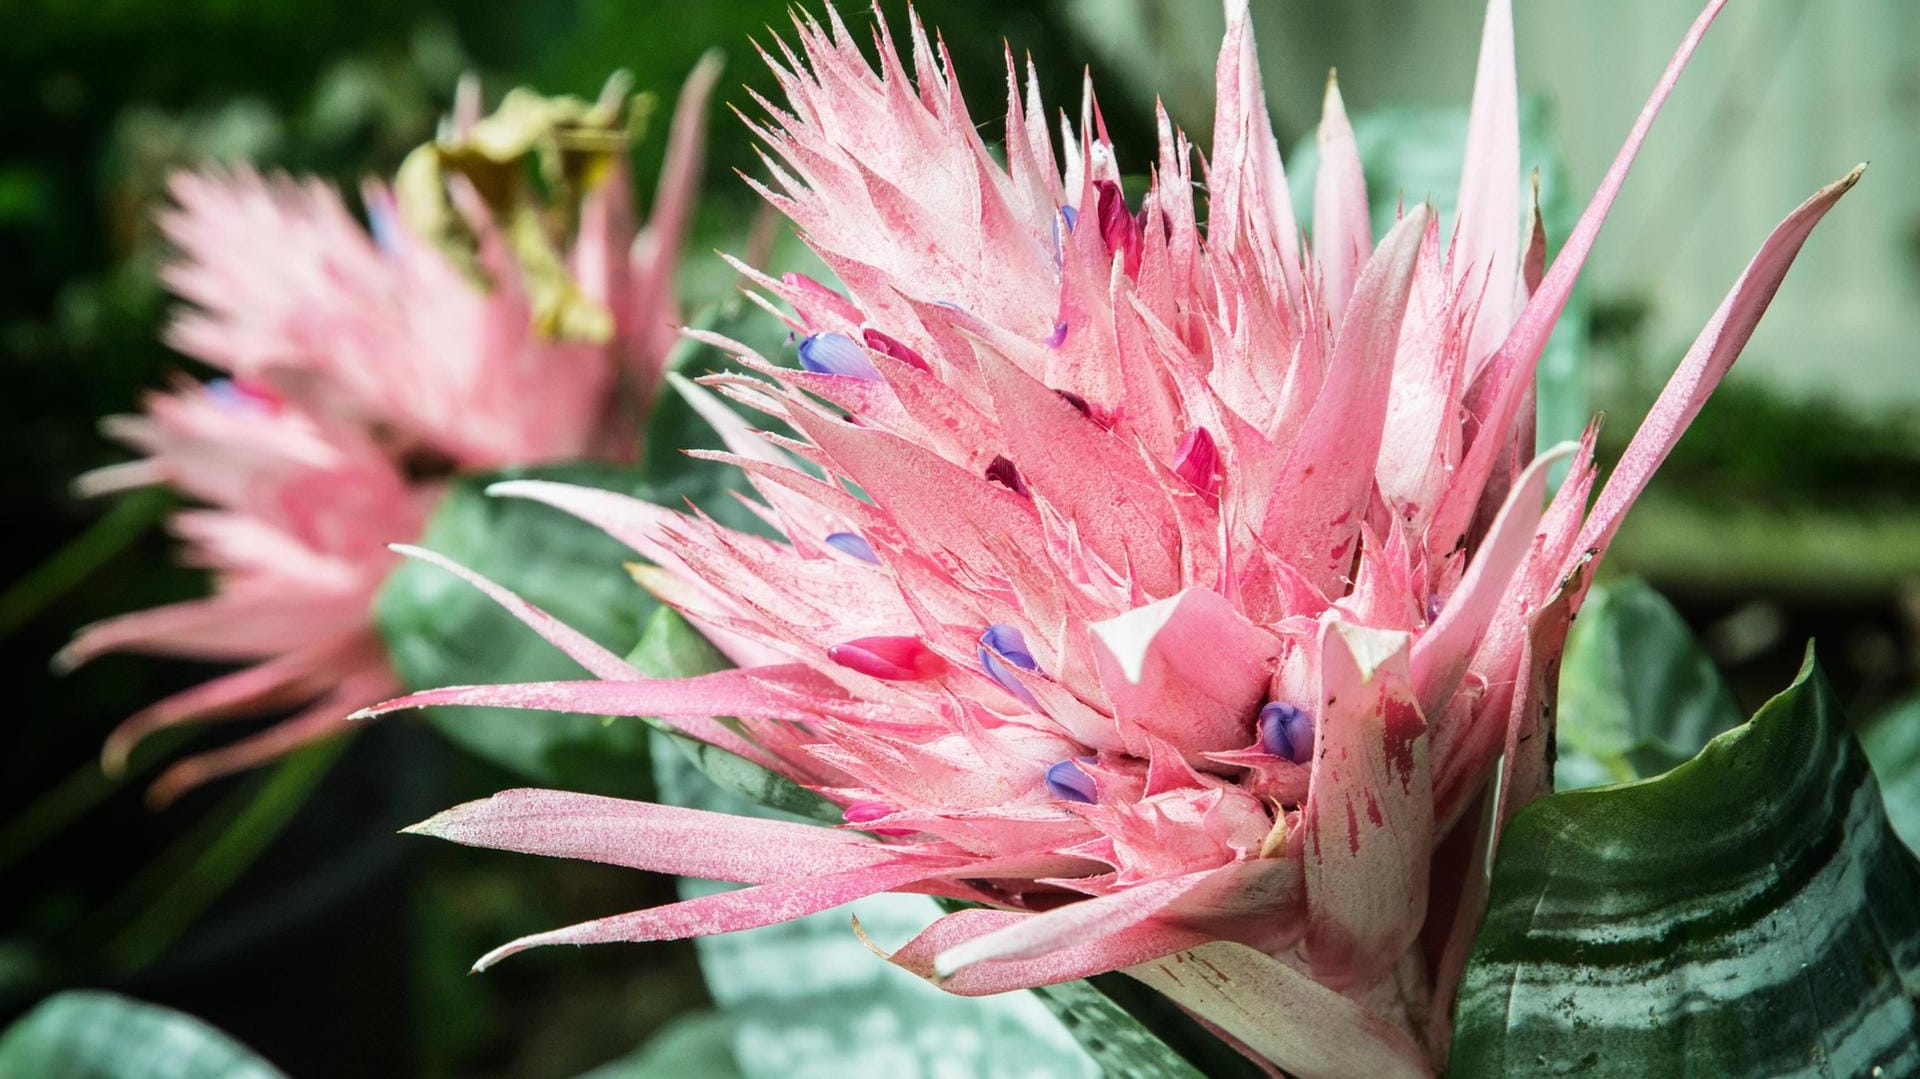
x=1784, y=96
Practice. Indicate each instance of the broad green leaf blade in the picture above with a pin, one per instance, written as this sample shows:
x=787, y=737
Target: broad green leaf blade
x=1638, y=695
x=670, y=648
x=440, y=632
x=698, y=1043
x=1893, y=745
x=94, y=1035
x=1120, y=1044
x=1748, y=913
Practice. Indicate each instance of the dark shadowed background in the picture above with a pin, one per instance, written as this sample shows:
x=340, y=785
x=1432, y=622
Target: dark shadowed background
x=283, y=909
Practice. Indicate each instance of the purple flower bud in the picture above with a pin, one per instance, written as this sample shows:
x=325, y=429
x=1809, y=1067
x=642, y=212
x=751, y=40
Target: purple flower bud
x=1068, y=783
x=1434, y=606
x=849, y=544
x=1058, y=336
x=1000, y=645
x=1002, y=472
x=245, y=395
x=836, y=354
x=1286, y=731
x=1009, y=643
x=383, y=220
x=1071, y=216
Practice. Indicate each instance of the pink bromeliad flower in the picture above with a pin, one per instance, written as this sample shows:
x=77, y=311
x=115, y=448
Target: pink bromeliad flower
x=1170, y=591
x=464, y=331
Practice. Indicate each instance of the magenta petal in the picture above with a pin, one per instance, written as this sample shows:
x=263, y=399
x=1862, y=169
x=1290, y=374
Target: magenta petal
x=894, y=659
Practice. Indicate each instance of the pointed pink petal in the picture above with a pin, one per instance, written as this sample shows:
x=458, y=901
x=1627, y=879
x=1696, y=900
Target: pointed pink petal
x=1068, y=926
x=1369, y=812
x=679, y=182
x=1487, y=245
x=635, y=522
x=1088, y=473
x=1248, y=193
x=325, y=719
x=1283, y=1015
x=686, y=704
x=1189, y=670
x=1441, y=654
x=279, y=682
x=1322, y=492
x=1497, y=394
x=1713, y=352
x=578, y=646
x=1342, y=232
x=657, y=838
x=1123, y=948
x=727, y=912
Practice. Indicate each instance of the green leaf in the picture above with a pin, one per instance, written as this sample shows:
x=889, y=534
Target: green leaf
x=1123, y=1045
x=441, y=632
x=698, y=1043
x=95, y=1035
x=1893, y=745
x=670, y=648
x=1638, y=695
x=1748, y=913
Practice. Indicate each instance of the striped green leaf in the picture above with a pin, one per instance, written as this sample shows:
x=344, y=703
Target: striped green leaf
x=1748, y=913
x=1638, y=694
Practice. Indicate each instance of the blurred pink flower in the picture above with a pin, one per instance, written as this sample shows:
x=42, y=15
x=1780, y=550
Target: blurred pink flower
x=1194, y=584
x=363, y=368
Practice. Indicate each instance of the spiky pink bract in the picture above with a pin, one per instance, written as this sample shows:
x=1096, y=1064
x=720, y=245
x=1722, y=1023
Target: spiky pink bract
x=365, y=365
x=1361, y=535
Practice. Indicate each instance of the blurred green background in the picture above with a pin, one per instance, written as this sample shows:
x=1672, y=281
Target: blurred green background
x=286, y=912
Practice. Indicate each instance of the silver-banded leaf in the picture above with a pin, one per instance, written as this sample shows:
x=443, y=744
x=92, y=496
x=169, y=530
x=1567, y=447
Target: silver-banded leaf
x=1748, y=913
x=1893, y=745
x=1120, y=1044
x=1638, y=695
x=86, y=1034
x=670, y=648
x=698, y=1043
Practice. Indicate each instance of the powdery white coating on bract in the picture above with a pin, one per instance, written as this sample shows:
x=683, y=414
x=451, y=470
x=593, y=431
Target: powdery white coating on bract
x=1362, y=532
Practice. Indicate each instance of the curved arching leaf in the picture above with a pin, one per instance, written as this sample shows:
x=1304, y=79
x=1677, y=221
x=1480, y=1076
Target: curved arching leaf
x=1893, y=745
x=86, y=1034
x=1638, y=695
x=1748, y=913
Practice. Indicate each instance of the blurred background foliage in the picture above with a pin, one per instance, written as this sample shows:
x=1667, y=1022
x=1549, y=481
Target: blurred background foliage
x=1791, y=510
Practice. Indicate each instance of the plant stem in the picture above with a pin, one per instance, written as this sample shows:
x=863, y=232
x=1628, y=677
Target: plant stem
x=81, y=556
